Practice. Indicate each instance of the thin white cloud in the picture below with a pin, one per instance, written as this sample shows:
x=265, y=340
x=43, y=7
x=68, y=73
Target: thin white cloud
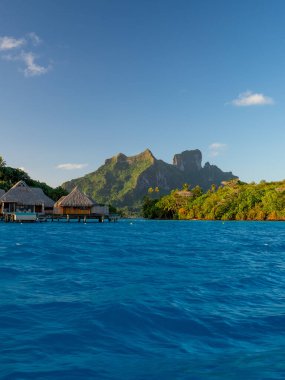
x=34, y=38
x=10, y=46
x=10, y=57
x=217, y=148
x=250, y=98
x=70, y=166
x=32, y=68
x=9, y=43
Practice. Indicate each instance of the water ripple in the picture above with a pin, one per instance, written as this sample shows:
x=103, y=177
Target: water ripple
x=146, y=300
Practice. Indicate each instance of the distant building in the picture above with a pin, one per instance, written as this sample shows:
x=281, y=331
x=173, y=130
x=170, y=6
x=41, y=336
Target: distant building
x=78, y=203
x=75, y=203
x=100, y=209
x=184, y=193
x=24, y=203
x=46, y=201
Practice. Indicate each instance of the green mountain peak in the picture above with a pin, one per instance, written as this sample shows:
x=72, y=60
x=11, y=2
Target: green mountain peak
x=124, y=181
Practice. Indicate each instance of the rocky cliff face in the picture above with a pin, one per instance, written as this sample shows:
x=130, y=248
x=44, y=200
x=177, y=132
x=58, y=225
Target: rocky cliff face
x=124, y=181
x=188, y=161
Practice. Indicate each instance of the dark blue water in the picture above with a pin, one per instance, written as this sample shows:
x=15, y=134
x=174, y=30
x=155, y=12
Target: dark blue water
x=142, y=300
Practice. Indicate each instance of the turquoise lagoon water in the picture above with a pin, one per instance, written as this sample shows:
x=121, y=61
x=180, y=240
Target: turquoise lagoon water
x=142, y=300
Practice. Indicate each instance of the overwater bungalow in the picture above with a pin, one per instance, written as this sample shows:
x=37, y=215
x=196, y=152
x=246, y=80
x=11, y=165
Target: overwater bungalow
x=78, y=203
x=46, y=203
x=22, y=202
x=75, y=203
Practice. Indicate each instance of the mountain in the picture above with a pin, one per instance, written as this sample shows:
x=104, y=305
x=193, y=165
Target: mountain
x=124, y=181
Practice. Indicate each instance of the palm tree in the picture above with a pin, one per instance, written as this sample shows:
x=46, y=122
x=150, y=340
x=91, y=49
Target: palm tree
x=2, y=162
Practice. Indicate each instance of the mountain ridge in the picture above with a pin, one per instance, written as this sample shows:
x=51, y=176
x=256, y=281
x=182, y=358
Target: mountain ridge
x=123, y=181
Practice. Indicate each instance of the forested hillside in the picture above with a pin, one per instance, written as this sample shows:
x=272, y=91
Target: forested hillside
x=234, y=200
x=9, y=176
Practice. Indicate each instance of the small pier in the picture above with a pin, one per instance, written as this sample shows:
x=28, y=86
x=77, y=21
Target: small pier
x=19, y=217
x=9, y=218
x=83, y=218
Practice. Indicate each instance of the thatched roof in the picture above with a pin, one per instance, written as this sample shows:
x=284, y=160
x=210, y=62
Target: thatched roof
x=2, y=192
x=75, y=199
x=57, y=203
x=21, y=193
x=184, y=193
x=43, y=198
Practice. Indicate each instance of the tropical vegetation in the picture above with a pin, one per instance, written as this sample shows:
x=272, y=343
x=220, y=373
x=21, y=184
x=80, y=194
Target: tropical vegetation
x=9, y=176
x=233, y=200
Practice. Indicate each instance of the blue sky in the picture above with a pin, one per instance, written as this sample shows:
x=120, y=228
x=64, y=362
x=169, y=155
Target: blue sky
x=84, y=80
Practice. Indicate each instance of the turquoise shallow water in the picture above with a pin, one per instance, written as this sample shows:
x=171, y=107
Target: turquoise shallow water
x=142, y=300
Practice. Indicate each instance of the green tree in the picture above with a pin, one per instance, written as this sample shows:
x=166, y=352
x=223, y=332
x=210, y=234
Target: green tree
x=186, y=187
x=233, y=201
x=2, y=162
x=197, y=192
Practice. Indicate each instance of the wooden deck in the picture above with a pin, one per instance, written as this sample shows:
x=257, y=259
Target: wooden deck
x=67, y=218
x=82, y=218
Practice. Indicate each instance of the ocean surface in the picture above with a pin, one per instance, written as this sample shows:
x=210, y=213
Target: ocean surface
x=142, y=300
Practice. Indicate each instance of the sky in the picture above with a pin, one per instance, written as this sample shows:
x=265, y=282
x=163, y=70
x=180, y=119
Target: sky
x=81, y=81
